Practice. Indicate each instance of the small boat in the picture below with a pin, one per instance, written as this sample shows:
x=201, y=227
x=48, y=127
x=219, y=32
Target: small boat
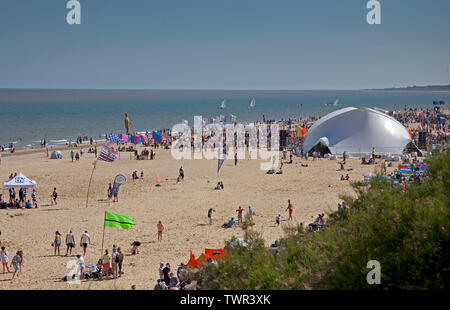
x=223, y=104
x=334, y=103
x=252, y=103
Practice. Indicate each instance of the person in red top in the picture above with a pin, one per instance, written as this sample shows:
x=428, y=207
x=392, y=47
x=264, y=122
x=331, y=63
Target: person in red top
x=239, y=211
x=160, y=230
x=290, y=208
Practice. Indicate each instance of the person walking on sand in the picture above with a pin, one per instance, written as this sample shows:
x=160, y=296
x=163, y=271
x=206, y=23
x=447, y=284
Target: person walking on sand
x=70, y=243
x=72, y=155
x=57, y=242
x=54, y=196
x=160, y=230
x=5, y=259
x=290, y=208
x=210, y=211
x=84, y=241
x=120, y=261
x=16, y=262
x=110, y=188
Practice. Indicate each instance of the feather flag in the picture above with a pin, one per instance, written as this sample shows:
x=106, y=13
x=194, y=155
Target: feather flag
x=108, y=153
x=220, y=162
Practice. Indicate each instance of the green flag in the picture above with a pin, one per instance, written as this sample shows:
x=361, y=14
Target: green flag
x=116, y=220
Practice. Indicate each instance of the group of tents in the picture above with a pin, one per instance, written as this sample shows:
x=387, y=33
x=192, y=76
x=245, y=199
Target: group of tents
x=205, y=257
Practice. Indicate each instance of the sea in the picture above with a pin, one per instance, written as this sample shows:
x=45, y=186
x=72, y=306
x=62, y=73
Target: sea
x=29, y=115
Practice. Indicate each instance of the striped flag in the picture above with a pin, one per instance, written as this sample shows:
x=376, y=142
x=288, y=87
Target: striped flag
x=108, y=153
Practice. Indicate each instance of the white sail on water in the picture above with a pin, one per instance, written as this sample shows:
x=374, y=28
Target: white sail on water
x=252, y=103
x=223, y=104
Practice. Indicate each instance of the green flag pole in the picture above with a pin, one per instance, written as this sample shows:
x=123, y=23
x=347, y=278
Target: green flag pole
x=103, y=239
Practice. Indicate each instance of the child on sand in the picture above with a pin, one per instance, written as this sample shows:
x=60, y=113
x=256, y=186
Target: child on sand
x=135, y=247
x=181, y=173
x=277, y=219
x=5, y=259
x=80, y=263
x=160, y=230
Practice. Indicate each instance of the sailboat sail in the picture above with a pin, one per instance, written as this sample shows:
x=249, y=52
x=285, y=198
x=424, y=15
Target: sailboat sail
x=252, y=103
x=223, y=104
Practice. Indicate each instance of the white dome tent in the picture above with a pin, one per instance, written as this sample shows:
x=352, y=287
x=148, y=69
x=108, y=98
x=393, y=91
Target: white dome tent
x=357, y=132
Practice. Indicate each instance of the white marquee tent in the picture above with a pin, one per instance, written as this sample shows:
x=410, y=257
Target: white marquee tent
x=356, y=132
x=20, y=181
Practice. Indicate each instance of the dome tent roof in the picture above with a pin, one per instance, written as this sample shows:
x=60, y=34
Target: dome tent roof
x=357, y=131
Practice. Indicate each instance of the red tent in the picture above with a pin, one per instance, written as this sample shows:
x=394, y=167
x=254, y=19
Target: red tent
x=214, y=254
x=201, y=260
x=193, y=262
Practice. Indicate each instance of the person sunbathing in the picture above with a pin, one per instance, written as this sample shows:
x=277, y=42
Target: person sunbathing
x=229, y=224
x=271, y=171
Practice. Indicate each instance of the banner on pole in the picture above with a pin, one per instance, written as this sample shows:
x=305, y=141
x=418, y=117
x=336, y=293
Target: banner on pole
x=117, y=220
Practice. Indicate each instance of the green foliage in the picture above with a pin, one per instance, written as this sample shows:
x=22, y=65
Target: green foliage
x=408, y=232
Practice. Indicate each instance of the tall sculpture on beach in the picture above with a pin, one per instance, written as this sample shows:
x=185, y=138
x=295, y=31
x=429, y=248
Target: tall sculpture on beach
x=127, y=123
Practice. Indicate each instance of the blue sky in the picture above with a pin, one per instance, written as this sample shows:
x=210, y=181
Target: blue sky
x=232, y=44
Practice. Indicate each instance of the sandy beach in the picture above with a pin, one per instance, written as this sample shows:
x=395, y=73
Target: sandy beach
x=182, y=208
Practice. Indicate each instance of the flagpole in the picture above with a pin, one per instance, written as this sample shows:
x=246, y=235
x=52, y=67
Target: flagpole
x=89, y=186
x=103, y=238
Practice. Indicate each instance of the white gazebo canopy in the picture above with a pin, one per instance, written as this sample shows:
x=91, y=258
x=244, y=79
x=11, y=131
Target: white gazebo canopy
x=20, y=181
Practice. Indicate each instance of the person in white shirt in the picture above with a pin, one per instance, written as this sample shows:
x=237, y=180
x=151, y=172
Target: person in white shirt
x=80, y=263
x=85, y=240
x=5, y=259
x=114, y=263
x=70, y=242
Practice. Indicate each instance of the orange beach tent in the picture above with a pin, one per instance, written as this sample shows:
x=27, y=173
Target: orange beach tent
x=214, y=254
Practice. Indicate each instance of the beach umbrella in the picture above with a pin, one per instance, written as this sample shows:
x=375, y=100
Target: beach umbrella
x=442, y=102
x=435, y=102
